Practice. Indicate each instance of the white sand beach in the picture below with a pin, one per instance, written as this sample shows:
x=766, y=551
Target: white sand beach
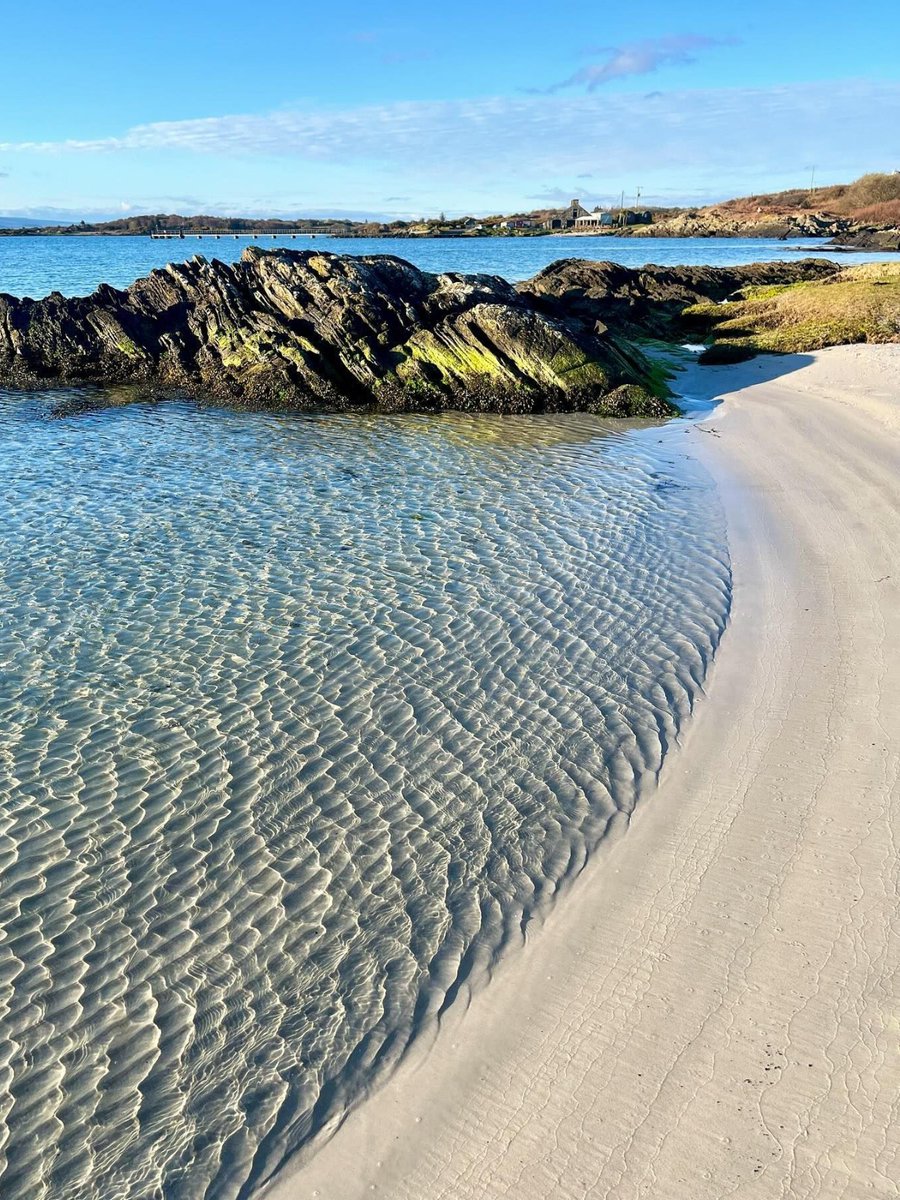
x=712, y=1009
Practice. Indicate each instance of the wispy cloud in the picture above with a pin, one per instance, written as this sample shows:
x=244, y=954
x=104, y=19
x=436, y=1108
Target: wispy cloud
x=715, y=124
x=637, y=58
x=486, y=150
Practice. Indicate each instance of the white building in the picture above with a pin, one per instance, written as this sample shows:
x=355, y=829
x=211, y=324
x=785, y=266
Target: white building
x=593, y=220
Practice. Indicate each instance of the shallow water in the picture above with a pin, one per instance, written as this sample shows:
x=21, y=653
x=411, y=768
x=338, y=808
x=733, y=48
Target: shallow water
x=300, y=715
x=76, y=265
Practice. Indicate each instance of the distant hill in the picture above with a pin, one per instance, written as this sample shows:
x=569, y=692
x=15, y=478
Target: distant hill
x=873, y=198
x=864, y=214
x=22, y=223
x=174, y=222
x=866, y=209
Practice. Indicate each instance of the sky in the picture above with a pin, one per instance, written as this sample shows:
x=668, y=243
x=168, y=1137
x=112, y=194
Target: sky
x=396, y=110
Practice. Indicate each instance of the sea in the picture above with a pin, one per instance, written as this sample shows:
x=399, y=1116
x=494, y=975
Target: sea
x=303, y=719
x=35, y=266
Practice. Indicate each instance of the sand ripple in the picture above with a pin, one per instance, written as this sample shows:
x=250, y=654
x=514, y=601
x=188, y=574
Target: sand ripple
x=300, y=717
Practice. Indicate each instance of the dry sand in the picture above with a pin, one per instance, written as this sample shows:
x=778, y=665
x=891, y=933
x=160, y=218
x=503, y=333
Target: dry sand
x=712, y=1010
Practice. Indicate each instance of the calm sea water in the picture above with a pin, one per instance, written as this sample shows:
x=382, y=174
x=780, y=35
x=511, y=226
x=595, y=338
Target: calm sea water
x=76, y=265
x=302, y=717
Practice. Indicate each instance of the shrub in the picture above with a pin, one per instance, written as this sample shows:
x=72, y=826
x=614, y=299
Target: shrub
x=874, y=188
x=886, y=212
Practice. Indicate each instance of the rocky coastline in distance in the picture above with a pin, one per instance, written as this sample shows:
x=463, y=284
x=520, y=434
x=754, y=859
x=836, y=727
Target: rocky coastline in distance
x=841, y=232
x=309, y=330
x=862, y=215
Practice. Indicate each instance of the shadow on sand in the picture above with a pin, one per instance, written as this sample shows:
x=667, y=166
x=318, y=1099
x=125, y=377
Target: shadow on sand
x=698, y=386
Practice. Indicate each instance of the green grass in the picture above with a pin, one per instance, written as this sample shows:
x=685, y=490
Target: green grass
x=861, y=304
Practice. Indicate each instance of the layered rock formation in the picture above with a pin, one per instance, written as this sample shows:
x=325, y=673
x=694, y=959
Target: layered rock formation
x=306, y=329
x=282, y=328
x=732, y=222
x=649, y=301
x=879, y=239
x=727, y=223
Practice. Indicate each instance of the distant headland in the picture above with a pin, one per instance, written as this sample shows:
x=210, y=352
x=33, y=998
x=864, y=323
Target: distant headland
x=861, y=215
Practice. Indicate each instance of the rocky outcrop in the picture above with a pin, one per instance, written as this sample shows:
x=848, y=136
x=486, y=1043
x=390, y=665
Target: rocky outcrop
x=648, y=301
x=307, y=329
x=731, y=222
x=870, y=238
x=312, y=330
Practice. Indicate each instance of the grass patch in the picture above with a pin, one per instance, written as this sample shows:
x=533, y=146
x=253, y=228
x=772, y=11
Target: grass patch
x=861, y=304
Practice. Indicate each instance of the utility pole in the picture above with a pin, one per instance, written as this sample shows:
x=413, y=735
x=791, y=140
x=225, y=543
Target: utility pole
x=812, y=178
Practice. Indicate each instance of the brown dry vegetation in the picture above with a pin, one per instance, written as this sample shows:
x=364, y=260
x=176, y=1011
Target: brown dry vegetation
x=874, y=198
x=861, y=304
x=885, y=213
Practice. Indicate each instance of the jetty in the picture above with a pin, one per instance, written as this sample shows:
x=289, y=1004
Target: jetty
x=251, y=234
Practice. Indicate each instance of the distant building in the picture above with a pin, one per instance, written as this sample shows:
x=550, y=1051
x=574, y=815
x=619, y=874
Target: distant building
x=575, y=210
x=517, y=223
x=594, y=220
x=635, y=217
x=576, y=216
x=567, y=218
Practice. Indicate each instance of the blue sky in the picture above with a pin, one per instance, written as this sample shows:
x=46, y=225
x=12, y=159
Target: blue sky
x=406, y=109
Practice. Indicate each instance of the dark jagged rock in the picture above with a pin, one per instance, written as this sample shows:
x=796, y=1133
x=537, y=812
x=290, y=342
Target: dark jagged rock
x=307, y=329
x=648, y=301
x=870, y=238
x=282, y=328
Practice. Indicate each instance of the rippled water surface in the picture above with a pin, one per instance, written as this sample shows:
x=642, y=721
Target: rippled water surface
x=34, y=266
x=299, y=716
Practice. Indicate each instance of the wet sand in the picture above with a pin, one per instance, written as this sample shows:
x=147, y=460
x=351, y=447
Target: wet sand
x=711, y=1010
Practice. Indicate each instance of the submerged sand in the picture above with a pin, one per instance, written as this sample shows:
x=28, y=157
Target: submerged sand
x=713, y=1009
x=300, y=717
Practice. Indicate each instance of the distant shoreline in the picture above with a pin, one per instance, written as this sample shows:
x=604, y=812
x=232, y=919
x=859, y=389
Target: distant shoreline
x=864, y=213
x=878, y=241
x=214, y=235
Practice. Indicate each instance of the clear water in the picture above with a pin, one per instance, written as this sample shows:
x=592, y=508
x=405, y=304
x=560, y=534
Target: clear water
x=76, y=265
x=300, y=718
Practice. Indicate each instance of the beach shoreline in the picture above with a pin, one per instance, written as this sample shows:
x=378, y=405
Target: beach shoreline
x=709, y=1010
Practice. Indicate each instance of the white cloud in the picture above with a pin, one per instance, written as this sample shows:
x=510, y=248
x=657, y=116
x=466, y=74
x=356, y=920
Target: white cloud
x=639, y=58
x=464, y=152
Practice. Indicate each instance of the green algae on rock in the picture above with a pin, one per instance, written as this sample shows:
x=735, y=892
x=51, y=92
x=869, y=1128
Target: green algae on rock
x=312, y=329
x=287, y=329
